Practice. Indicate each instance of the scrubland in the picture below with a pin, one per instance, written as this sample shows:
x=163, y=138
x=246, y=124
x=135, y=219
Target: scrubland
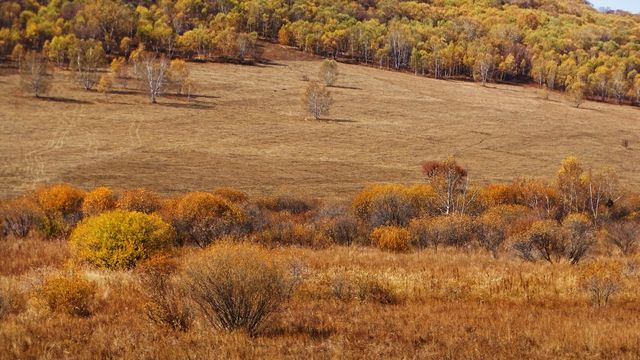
x=220, y=274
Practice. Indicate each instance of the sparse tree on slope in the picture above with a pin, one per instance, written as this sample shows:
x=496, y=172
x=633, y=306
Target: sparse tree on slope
x=329, y=72
x=317, y=100
x=34, y=74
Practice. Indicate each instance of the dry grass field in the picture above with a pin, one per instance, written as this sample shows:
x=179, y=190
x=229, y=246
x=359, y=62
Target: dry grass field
x=246, y=128
x=445, y=304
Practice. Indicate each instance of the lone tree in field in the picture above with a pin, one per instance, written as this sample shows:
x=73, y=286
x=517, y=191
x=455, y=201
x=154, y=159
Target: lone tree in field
x=154, y=71
x=87, y=57
x=329, y=72
x=317, y=99
x=179, y=75
x=34, y=74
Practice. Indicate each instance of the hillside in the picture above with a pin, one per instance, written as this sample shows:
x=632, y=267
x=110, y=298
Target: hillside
x=247, y=128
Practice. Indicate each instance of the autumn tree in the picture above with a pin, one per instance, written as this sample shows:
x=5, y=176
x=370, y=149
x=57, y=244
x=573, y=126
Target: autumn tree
x=179, y=75
x=329, y=72
x=571, y=183
x=154, y=70
x=449, y=180
x=317, y=100
x=576, y=92
x=35, y=75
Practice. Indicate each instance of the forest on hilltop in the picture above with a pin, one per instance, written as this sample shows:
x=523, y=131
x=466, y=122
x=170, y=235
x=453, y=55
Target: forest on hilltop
x=561, y=45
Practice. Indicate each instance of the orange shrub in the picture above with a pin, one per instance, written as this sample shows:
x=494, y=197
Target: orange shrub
x=201, y=218
x=61, y=199
x=497, y=194
x=231, y=194
x=62, y=206
x=98, y=201
x=391, y=238
x=71, y=294
x=140, y=200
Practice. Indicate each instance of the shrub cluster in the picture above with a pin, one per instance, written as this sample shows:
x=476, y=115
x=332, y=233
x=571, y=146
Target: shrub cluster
x=120, y=239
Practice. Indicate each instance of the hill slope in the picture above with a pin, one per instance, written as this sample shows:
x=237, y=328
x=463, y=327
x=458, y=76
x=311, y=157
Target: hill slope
x=247, y=129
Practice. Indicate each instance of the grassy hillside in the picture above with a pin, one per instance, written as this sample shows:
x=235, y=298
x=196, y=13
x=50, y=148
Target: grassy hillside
x=247, y=128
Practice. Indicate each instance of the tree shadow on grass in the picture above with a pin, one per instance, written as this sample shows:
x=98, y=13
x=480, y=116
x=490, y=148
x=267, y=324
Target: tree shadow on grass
x=345, y=87
x=338, y=121
x=64, y=100
x=193, y=96
x=127, y=92
x=188, y=106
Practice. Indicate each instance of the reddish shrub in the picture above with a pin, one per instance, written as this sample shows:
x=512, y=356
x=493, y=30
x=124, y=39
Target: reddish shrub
x=140, y=200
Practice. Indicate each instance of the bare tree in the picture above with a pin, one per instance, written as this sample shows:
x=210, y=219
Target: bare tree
x=154, y=73
x=34, y=74
x=329, y=72
x=317, y=99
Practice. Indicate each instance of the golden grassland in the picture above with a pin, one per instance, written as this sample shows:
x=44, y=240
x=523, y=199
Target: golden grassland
x=437, y=304
x=246, y=128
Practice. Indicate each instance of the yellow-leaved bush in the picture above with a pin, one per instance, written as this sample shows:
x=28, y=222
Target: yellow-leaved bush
x=99, y=200
x=120, y=239
x=391, y=238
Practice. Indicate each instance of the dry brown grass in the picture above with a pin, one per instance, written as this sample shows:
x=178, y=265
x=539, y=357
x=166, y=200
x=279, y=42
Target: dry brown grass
x=21, y=255
x=449, y=304
x=246, y=129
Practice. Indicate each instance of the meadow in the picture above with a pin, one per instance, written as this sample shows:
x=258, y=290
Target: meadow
x=246, y=128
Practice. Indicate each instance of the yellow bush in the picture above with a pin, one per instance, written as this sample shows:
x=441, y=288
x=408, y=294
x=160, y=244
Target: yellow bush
x=119, y=239
x=202, y=217
x=391, y=238
x=140, y=200
x=98, y=201
x=70, y=294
